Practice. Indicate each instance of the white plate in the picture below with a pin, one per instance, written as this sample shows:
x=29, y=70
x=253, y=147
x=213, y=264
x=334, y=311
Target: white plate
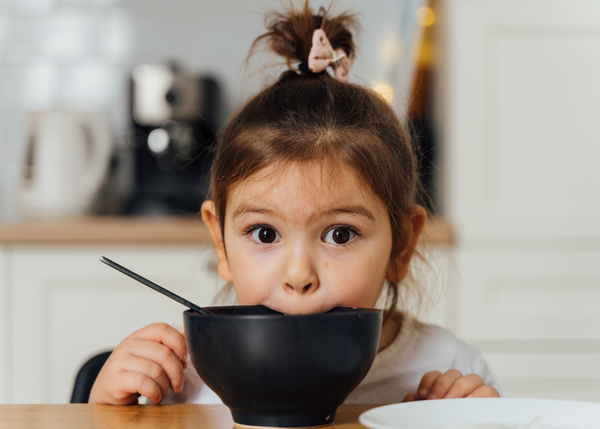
x=484, y=413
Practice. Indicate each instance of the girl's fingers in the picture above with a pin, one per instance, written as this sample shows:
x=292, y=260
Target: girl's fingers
x=484, y=392
x=411, y=397
x=464, y=386
x=145, y=363
x=163, y=356
x=443, y=384
x=427, y=383
x=148, y=368
x=165, y=334
x=130, y=382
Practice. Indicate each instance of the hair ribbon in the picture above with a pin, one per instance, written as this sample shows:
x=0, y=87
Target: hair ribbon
x=322, y=55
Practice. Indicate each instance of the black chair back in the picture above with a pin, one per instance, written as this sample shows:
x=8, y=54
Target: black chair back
x=86, y=377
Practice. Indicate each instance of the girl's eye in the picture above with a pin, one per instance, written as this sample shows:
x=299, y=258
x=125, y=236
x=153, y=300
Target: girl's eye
x=339, y=235
x=265, y=235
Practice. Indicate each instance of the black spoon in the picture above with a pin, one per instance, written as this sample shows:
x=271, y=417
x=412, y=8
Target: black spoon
x=156, y=287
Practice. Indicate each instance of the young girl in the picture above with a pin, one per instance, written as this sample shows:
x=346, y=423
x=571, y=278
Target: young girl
x=312, y=207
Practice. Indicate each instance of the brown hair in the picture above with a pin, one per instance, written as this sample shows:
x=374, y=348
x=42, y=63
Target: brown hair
x=314, y=117
x=290, y=34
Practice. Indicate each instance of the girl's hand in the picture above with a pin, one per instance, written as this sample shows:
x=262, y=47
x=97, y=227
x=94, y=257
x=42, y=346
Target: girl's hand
x=452, y=384
x=145, y=363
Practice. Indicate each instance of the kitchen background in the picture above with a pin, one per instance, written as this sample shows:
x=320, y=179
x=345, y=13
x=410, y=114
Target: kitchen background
x=505, y=100
x=80, y=55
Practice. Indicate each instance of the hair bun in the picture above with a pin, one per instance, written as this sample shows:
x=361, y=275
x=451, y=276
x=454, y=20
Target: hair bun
x=289, y=34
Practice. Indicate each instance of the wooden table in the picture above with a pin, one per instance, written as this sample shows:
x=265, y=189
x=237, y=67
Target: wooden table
x=84, y=416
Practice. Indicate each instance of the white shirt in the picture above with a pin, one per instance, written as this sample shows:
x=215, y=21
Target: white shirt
x=417, y=350
x=397, y=370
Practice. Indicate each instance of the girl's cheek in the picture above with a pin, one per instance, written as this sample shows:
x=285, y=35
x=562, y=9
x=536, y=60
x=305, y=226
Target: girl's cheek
x=250, y=292
x=254, y=278
x=360, y=282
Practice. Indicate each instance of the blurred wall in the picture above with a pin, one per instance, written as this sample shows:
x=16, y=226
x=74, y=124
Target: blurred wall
x=78, y=53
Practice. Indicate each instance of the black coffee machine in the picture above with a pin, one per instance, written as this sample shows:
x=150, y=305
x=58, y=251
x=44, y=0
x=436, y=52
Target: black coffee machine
x=174, y=124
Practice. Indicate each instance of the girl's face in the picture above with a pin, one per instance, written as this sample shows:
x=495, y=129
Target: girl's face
x=304, y=240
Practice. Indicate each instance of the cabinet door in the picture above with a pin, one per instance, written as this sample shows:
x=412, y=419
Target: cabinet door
x=520, y=106
x=529, y=296
x=566, y=370
x=535, y=317
x=67, y=306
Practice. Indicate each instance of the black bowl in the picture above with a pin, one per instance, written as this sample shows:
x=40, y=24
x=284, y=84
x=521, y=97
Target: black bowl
x=272, y=369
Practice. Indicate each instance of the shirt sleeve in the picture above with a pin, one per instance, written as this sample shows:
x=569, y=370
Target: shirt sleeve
x=469, y=360
x=478, y=365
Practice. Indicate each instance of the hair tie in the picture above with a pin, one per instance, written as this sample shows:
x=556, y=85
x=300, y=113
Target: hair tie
x=322, y=55
x=303, y=67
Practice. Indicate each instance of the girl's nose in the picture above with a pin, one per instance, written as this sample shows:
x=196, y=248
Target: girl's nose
x=300, y=289
x=300, y=277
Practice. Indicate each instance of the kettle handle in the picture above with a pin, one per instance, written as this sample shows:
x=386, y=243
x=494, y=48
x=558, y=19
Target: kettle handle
x=100, y=148
x=30, y=182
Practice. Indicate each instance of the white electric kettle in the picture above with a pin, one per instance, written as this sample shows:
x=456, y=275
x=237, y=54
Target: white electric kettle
x=68, y=162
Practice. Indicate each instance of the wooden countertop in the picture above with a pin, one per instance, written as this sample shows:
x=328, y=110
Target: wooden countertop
x=84, y=416
x=107, y=230
x=147, y=230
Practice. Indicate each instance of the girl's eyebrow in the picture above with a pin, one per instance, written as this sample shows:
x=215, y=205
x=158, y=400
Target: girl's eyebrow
x=353, y=210
x=243, y=209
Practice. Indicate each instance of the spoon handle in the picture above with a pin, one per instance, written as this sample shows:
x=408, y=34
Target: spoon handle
x=155, y=286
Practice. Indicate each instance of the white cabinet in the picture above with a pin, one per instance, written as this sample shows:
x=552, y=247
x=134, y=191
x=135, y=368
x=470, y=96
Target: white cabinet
x=521, y=102
x=62, y=306
x=568, y=371
x=518, y=112
x=530, y=296
x=535, y=316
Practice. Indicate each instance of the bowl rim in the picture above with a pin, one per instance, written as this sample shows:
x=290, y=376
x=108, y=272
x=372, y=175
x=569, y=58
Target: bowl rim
x=353, y=311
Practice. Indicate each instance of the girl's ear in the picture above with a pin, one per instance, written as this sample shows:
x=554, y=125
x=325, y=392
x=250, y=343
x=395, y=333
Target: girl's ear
x=398, y=266
x=209, y=216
